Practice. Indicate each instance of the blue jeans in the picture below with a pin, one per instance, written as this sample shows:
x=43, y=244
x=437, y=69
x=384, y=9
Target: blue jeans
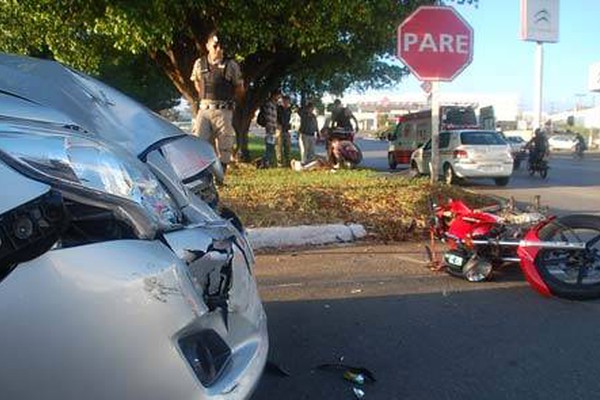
x=269, y=156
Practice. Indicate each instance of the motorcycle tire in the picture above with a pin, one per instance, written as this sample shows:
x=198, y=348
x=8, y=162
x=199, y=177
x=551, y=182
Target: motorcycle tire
x=544, y=173
x=572, y=274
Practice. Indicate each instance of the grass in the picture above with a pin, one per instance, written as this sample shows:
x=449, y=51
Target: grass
x=256, y=147
x=390, y=207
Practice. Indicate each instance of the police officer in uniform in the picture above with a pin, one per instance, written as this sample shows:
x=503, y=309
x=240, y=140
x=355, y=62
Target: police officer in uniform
x=219, y=83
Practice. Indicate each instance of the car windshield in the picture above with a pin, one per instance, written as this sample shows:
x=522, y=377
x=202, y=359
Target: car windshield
x=481, y=137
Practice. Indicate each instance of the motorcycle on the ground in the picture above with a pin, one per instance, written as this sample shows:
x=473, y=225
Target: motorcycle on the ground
x=559, y=256
x=342, y=151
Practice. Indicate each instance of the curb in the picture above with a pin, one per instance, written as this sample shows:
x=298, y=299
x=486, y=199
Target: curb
x=303, y=235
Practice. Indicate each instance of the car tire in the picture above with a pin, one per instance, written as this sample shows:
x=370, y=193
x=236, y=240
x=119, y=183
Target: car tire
x=450, y=177
x=392, y=160
x=503, y=181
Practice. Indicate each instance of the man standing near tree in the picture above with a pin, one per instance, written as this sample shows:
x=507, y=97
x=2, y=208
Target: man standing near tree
x=219, y=83
x=283, y=145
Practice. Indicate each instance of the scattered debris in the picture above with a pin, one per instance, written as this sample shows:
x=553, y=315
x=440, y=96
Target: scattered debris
x=355, y=291
x=359, y=379
x=358, y=393
x=367, y=375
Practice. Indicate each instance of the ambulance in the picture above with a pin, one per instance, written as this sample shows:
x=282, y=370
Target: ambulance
x=414, y=129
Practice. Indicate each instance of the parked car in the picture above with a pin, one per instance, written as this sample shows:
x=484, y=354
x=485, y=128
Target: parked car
x=117, y=281
x=562, y=142
x=467, y=154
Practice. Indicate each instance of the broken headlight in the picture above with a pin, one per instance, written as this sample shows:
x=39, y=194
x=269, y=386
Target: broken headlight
x=87, y=171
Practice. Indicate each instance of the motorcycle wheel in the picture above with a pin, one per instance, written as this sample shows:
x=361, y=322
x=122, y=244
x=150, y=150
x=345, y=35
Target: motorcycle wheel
x=572, y=274
x=531, y=169
x=544, y=172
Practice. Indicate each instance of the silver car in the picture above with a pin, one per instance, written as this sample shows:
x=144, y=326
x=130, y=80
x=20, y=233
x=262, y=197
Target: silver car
x=116, y=281
x=467, y=153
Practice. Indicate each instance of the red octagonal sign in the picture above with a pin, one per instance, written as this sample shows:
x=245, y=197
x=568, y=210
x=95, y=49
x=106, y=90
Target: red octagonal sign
x=435, y=43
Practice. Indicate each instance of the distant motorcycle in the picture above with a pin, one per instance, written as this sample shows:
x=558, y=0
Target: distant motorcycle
x=342, y=151
x=538, y=165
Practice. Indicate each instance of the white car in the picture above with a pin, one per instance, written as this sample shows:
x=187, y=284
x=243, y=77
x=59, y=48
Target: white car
x=468, y=154
x=562, y=142
x=116, y=280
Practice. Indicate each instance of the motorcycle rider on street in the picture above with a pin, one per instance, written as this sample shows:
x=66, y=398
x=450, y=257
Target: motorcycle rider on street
x=538, y=147
x=580, y=145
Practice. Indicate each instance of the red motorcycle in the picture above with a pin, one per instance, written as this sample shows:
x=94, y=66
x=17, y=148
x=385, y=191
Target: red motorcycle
x=559, y=256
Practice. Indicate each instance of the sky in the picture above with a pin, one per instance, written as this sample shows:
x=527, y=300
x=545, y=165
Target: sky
x=504, y=64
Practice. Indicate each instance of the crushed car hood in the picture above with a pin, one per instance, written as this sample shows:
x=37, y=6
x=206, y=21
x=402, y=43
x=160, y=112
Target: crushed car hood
x=95, y=107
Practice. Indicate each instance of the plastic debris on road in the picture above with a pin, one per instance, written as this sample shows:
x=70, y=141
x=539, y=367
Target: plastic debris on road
x=358, y=393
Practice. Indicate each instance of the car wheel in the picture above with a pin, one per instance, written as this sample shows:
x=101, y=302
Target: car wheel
x=449, y=176
x=502, y=181
x=392, y=160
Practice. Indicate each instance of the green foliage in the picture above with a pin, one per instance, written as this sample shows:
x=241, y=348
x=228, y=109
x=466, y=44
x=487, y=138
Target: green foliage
x=139, y=77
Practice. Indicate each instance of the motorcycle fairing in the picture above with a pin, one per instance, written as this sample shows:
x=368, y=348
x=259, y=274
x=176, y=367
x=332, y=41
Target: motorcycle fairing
x=528, y=255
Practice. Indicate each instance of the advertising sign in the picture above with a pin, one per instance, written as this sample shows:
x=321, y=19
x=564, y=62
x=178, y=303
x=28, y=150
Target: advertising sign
x=539, y=20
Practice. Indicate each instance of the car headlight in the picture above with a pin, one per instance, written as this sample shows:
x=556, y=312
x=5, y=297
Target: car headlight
x=86, y=170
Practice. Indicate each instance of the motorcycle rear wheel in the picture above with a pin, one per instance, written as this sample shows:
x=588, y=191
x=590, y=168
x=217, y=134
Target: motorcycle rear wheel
x=572, y=274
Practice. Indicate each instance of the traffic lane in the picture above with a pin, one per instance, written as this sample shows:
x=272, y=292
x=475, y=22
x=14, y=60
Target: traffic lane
x=571, y=187
x=438, y=339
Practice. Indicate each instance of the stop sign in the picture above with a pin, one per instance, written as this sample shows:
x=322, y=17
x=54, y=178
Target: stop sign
x=435, y=43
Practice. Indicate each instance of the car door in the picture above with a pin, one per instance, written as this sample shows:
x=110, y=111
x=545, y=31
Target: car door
x=422, y=157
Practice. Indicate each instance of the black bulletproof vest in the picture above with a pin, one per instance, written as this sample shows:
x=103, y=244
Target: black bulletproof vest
x=216, y=87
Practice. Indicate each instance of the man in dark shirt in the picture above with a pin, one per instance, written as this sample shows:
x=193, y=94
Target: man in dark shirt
x=283, y=145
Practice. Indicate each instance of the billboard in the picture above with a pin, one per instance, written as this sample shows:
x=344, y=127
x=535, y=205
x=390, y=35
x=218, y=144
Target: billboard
x=539, y=20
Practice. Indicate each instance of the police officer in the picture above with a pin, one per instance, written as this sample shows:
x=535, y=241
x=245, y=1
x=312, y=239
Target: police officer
x=219, y=83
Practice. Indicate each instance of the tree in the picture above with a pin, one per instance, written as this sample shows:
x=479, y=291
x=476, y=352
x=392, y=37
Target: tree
x=309, y=45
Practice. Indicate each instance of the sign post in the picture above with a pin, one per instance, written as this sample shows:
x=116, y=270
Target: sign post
x=436, y=44
x=539, y=23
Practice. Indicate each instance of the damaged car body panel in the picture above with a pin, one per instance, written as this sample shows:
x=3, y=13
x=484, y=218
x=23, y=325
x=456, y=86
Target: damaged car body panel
x=116, y=281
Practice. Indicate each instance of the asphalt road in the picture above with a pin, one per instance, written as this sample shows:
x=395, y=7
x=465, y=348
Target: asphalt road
x=572, y=185
x=426, y=335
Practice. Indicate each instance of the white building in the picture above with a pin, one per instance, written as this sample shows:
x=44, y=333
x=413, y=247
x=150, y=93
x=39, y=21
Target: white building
x=369, y=106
